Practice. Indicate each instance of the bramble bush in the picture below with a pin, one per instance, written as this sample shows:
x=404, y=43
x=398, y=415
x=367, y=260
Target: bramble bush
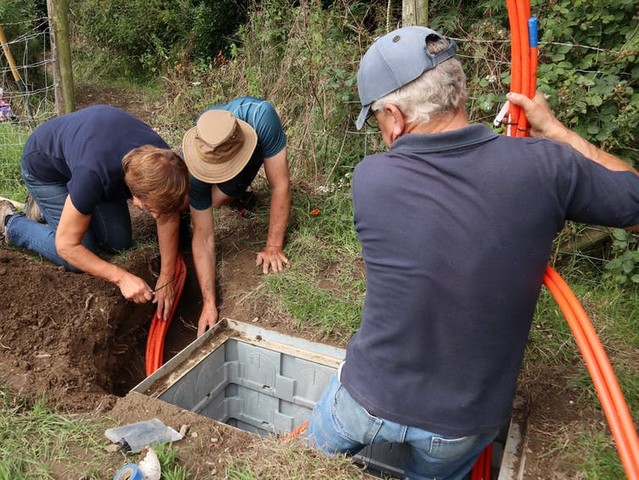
x=148, y=35
x=624, y=266
x=303, y=57
x=588, y=63
x=591, y=64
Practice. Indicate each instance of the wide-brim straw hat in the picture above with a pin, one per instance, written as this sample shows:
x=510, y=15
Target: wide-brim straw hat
x=218, y=147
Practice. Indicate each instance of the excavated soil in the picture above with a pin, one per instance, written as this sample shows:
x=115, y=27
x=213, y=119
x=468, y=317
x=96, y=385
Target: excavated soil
x=74, y=339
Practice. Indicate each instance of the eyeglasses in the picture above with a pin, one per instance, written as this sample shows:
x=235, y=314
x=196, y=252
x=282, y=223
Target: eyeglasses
x=371, y=121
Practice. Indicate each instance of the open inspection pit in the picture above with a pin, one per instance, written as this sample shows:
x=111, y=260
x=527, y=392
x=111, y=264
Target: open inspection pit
x=265, y=382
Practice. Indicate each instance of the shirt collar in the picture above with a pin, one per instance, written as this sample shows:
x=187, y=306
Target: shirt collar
x=439, y=142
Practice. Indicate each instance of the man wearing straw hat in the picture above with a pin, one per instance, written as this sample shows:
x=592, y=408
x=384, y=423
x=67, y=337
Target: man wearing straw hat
x=456, y=224
x=224, y=151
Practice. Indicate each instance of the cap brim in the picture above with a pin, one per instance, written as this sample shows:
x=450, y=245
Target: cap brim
x=218, y=173
x=362, y=117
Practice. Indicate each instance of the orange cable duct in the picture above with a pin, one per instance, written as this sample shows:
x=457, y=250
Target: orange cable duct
x=297, y=430
x=601, y=372
x=515, y=69
x=523, y=14
x=600, y=369
x=159, y=327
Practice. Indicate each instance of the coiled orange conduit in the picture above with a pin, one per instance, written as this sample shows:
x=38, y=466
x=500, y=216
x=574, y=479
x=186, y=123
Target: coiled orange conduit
x=600, y=369
x=159, y=327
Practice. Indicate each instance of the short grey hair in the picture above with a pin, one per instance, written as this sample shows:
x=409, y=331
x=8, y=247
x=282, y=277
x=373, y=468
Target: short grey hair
x=440, y=90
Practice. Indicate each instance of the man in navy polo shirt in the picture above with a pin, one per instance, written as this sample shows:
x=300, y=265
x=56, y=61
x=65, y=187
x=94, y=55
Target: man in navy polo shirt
x=224, y=151
x=456, y=225
x=80, y=169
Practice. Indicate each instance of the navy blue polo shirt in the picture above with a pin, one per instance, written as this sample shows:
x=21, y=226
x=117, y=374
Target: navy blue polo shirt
x=84, y=150
x=271, y=139
x=456, y=230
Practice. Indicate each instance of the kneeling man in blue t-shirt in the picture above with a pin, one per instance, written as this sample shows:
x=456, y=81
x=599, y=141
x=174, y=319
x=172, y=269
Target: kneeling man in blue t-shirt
x=224, y=151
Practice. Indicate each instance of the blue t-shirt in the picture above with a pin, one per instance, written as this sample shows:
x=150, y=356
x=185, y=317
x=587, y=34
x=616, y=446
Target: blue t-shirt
x=271, y=139
x=456, y=230
x=84, y=150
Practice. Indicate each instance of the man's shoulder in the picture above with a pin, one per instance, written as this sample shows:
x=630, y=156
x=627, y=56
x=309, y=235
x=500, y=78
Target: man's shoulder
x=372, y=167
x=245, y=107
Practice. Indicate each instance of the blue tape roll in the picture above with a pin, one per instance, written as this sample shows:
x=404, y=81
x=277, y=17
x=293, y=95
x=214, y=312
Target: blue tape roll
x=129, y=472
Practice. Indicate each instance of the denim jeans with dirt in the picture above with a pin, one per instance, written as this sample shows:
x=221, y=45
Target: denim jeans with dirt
x=339, y=424
x=109, y=229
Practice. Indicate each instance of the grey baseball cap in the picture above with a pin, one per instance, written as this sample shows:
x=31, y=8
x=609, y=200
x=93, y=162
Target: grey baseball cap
x=394, y=60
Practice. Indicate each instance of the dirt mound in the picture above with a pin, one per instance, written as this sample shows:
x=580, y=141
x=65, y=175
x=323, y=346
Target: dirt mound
x=74, y=337
x=65, y=335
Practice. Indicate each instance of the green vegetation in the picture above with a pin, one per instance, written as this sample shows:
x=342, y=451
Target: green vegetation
x=275, y=460
x=613, y=312
x=624, y=266
x=588, y=62
x=325, y=286
x=34, y=438
x=603, y=464
x=147, y=36
x=12, y=137
x=17, y=18
x=40, y=443
x=169, y=463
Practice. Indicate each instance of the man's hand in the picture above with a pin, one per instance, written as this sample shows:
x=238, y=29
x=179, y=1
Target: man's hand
x=134, y=288
x=208, y=318
x=543, y=122
x=272, y=258
x=164, y=296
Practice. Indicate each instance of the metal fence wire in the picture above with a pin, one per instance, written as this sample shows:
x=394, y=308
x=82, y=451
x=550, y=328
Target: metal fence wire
x=27, y=95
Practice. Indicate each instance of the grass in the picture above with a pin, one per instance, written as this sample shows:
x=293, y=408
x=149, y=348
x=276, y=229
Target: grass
x=34, y=438
x=325, y=286
x=613, y=311
x=275, y=460
x=169, y=463
x=40, y=443
x=12, y=138
x=594, y=453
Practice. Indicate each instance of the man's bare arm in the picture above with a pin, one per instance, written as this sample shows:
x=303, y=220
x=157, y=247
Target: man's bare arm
x=544, y=124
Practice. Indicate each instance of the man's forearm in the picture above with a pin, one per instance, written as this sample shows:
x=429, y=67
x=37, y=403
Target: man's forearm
x=88, y=262
x=590, y=151
x=204, y=262
x=168, y=229
x=544, y=124
x=278, y=217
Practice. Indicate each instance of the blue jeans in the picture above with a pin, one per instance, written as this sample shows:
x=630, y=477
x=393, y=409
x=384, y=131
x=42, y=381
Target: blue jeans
x=339, y=424
x=109, y=229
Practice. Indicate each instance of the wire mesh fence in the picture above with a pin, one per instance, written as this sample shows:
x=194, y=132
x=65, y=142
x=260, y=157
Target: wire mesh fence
x=27, y=95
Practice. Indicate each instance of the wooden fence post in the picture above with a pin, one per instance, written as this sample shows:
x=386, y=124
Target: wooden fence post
x=415, y=12
x=61, y=50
